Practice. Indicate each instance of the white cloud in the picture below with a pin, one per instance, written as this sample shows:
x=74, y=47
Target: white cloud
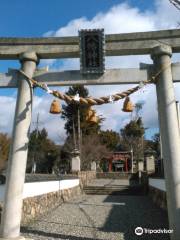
x=166, y=15
x=119, y=19
x=7, y=113
x=53, y=123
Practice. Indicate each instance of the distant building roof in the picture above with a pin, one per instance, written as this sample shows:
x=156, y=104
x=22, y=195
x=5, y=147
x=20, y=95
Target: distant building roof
x=118, y=155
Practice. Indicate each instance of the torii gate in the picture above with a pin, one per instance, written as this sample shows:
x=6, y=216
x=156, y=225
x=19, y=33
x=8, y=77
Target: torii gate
x=160, y=44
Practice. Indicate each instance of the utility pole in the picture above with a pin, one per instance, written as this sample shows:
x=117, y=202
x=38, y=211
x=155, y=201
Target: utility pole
x=74, y=135
x=132, y=160
x=143, y=147
x=37, y=123
x=79, y=131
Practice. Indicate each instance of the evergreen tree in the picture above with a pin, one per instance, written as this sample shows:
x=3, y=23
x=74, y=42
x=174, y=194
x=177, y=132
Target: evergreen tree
x=90, y=144
x=110, y=139
x=154, y=144
x=132, y=137
x=70, y=113
x=42, y=152
x=133, y=129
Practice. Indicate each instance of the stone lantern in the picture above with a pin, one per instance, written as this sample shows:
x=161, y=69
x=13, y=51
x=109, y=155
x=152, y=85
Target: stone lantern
x=75, y=161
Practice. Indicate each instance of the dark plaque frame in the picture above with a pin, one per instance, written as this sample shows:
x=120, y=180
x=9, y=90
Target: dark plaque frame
x=92, y=51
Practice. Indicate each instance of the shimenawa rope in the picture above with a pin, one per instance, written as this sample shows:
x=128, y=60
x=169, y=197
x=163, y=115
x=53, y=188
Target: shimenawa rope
x=91, y=100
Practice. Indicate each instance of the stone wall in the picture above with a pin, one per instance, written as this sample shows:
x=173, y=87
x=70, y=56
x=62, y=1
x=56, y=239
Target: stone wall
x=85, y=177
x=46, y=177
x=33, y=207
x=158, y=197
x=37, y=205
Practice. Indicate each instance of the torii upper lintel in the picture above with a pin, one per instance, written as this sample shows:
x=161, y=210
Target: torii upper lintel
x=138, y=43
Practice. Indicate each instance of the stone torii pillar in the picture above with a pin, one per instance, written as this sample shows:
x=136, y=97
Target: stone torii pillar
x=170, y=135
x=11, y=217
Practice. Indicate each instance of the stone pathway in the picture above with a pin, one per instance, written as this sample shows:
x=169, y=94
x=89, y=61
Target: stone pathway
x=104, y=217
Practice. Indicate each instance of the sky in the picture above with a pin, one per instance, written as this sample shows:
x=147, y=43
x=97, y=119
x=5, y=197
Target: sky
x=56, y=18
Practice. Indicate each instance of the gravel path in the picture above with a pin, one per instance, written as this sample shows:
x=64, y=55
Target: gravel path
x=91, y=217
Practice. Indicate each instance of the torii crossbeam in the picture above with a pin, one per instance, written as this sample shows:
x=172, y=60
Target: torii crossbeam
x=74, y=77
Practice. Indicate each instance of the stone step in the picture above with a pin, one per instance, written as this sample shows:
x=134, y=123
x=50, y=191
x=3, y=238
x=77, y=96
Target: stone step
x=113, y=193
x=120, y=190
x=113, y=175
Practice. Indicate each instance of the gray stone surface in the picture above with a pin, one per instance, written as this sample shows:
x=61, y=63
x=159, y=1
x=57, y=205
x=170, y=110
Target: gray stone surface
x=11, y=216
x=68, y=47
x=75, y=164
x=109, y=182
x=170, y=135
x=99, y=217
x=48, y=177
x=34, y=207
x=74, y=77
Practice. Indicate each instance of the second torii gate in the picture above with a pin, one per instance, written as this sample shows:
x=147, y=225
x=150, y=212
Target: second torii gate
x=159, y=45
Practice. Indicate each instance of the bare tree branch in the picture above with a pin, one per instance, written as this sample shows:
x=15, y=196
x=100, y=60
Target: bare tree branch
x=176, y=3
